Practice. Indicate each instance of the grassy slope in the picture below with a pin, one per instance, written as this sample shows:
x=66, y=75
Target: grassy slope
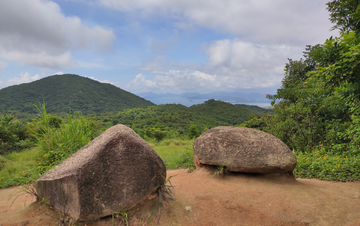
x=175, y=153
x=19, y=167
x=228, y=113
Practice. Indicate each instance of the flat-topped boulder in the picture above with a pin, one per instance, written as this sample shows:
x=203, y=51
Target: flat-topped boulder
x=115, y=172
x=242, y=149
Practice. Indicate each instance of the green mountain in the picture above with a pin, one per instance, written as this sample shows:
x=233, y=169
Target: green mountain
x=68, y=93
x=179, y=118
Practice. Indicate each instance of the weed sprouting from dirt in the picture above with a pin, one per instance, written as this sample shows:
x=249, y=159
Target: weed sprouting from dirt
x=121, y=214
x=221, y=171
x=164, y=194
x=27, y=189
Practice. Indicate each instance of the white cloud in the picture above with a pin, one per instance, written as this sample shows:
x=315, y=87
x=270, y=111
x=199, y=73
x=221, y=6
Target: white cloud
x=231, y=64
x=102, y=81
x=245, y=59
x=197, y=81
x=3, y=65
x=85, y=64
x=24, y=78
x=277, y=21
x=43, y=36
x=140, y=83
x=263, y=35
x=155, y=66
x=184, y=80
x=40, y=59
x=219, y=52
x=59, y=73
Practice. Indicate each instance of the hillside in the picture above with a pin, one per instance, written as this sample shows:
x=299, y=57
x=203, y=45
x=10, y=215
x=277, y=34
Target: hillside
x=178, y=118
x=68, y=93
x=193, y=98
x=232, y=114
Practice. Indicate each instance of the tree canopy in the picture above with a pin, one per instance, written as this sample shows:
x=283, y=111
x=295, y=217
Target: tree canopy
x=318, y=105
x=345, y=15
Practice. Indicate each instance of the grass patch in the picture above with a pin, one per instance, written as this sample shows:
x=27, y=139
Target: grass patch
x=18, y=167
x=328, y=166
x=175, y=153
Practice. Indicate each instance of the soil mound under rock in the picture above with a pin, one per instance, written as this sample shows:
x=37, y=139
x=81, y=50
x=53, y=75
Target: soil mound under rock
x=113, y=173
x=243, y=150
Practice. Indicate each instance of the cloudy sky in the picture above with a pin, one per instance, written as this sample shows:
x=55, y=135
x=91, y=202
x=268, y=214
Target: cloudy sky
x=159, y=45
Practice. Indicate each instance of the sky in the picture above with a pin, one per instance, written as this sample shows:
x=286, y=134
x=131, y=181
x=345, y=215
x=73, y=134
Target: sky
x=160, y=46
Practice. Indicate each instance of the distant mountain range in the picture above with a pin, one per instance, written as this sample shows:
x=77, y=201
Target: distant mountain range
x=68, y=93
x=189, y=99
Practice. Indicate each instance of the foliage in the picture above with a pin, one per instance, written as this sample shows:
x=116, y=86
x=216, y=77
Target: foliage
x=57, y=144
x=323, y=109
x=158, y=133
x=193, y=132
x=69, y=93
x=328, y=165
x=12, y=134
x=56, y=140
x=317, y=109
x=345, y=14
x=178, y=121
x=257, y=122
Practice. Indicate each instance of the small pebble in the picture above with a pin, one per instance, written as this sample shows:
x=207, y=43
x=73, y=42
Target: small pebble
x=188, y=208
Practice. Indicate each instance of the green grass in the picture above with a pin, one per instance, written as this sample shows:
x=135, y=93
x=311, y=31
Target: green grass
x=175, y=153
x=18, y=167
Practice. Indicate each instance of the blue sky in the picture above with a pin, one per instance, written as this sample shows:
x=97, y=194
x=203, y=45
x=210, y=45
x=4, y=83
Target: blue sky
x=159, y=45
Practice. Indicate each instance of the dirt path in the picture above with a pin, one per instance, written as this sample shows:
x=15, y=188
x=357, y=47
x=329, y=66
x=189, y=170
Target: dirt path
x=201, y=199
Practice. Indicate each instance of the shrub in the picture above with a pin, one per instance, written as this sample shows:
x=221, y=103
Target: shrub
x=328, y=165
x=193, y=132
x=12, y=134
x=57, y=144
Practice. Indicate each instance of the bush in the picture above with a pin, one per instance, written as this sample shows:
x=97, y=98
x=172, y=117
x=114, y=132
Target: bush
x=156, y=133
x=57, y=144
x=193, y=132
x=12, y=134
x=328, y=165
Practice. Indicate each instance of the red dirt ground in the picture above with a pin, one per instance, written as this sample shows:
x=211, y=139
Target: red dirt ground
x=240, y=199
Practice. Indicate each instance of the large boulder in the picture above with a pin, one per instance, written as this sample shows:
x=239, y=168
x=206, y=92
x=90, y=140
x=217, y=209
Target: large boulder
x=115, y=172
x=243, y=150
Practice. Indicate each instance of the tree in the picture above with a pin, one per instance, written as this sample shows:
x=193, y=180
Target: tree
x=12, y=132
x=345, y=14
x=316, y=103
x=156, y=133
x=193, y=132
